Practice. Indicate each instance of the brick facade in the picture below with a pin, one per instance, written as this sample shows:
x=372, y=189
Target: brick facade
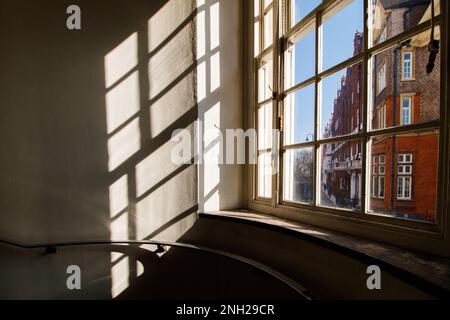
x=423, y=89
x=405, y=190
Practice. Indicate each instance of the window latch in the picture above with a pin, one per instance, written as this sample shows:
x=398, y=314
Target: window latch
x=274, y=93
x=280, y=123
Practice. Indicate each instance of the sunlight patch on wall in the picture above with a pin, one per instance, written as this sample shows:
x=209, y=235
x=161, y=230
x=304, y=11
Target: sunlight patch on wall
x=122, y=102
x=215, y=26
x=201, y=82
x=201, y=35
x=165, y=22
x=213, y=142
x=139, y=268
x=119, y=227
x=124, y=144
x=170, y=63
x=121, y=60
x=120, y=274
x=163, y=205
x=146, y=175
x=167, y=109
x=215, y=72
x=118, y=196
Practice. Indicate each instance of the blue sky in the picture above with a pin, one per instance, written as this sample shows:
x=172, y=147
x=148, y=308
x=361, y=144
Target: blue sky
x=338, y=35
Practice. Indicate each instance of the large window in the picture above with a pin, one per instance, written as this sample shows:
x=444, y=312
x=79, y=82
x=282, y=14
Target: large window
x=346, y=83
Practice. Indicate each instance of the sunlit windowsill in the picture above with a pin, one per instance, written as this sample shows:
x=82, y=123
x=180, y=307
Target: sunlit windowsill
x=429, y=268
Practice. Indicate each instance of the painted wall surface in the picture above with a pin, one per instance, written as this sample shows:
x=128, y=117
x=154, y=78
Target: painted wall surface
x=88, y=115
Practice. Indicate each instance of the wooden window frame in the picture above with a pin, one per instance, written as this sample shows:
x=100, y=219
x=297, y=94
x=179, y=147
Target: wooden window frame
x=403, y=232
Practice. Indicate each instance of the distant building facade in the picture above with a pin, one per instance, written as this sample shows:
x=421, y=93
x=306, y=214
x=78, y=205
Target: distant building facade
x=403, y=168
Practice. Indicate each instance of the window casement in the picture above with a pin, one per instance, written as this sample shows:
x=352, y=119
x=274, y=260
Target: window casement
x=404, y=187
x=406, y=110
x=407, y=64
x=381, y=116
x=378, y=176
x=405, y=158
x=374, y=187
x=383, y=36
x=381, y=80
x=381, y=187
x=330, y=156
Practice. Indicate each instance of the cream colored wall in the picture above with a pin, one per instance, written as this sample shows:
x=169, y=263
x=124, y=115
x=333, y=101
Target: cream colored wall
x=87, y=118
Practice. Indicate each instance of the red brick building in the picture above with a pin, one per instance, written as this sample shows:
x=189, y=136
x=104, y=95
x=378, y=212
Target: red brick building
x=341, y=176
x=403, y=168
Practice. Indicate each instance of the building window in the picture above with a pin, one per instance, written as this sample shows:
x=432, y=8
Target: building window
x=404, y=187
x=320, y=94
x=381, y=78
x=374, y=187
x=378, y=179
x=381, y=117
x=383, y=36
x=404, y=180
x=406, y=111
x=381, y=187
x=407, y=65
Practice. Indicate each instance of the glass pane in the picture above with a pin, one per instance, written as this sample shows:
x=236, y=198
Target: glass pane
x=401, y=90
x=265, y=79
x=265, y=127
x=404, y=185
x=267, y=3
x=300, y=57
x=256, y=8
x=265, y=175
x=340, y=184
x=342, y=32
x=390, y=18
x=299, y=116
x=301, y=8
x=268, y=29
x=256, y=37
x=298, y=175
x=341, y=102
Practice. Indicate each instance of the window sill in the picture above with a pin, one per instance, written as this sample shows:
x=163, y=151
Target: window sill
x=425, y=270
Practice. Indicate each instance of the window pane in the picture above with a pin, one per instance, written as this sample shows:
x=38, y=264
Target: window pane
x=390, y=18
x=300, y=57
x=267, y=3
x=268, y=29
x=342, y=32
x=298, y=175
x=256, y=37
x=340, y=184
x=265, y=79
x=256, y=8
x=265, y=175
x=409, y=189
x=265, y=127
x=411, y=100
x=301, y=8
x=341, y=102
x=299, y=116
